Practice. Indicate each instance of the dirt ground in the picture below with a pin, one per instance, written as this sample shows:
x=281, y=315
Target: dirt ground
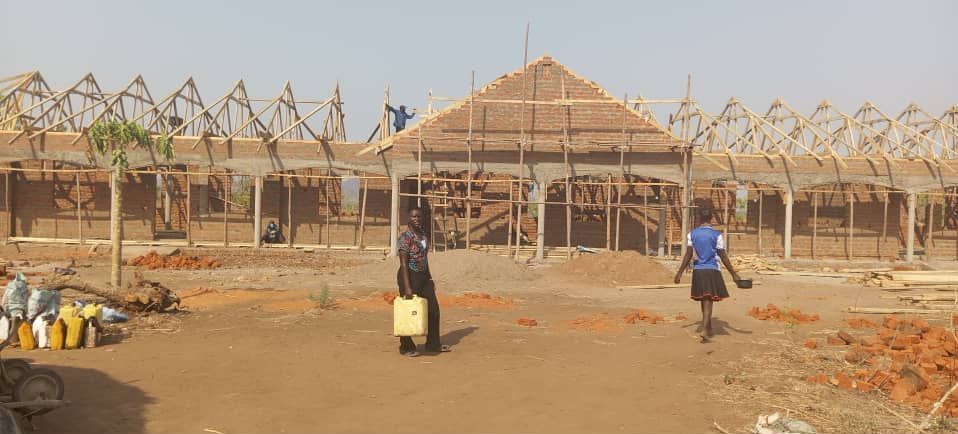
x=251, y=351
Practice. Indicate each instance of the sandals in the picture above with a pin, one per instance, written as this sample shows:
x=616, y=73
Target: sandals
x=411, y=354
x=442, y=349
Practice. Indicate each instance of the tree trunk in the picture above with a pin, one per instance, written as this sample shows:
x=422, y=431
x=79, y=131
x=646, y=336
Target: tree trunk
x=116, y=227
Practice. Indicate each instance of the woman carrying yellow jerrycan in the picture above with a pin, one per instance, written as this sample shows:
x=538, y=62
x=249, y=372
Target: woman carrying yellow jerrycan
x=414, y=280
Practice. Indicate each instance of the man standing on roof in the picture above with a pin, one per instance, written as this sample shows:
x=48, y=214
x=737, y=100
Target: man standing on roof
x=400, y=116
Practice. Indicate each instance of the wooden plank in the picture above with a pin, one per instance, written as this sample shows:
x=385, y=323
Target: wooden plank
x=891, y=311
x=809, y=274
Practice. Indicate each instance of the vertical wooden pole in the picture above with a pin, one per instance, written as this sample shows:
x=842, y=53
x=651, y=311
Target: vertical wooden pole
x=509, y=225
x=789, y=201
x=189, y=210
x=522, y=143
x=326, y=181
x=8, y=206
x=618, y=213
x=851, y=225
x=568, y=172
x=931, y=228
x=686, y=200
x=289, y=210
x=728, y=221
x=541, y=223
x=884, y=225
x=815, y=196
x=257, y=209
x=394, y=215
x=910, y=229
x=608, y=213
x=645, y=217
x=362, y=215
x=226, y=205
x=761, y=210
x=472, y=94
x=79, y=211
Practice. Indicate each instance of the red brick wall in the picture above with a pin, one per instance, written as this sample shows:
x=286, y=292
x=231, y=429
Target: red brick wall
x=44, y=204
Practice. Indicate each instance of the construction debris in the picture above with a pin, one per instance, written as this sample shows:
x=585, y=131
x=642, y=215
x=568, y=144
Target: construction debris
x=909, y=359
x=904, y=279
x=773, y=313
x=141, y=295
x=754, y=263
x=154, y=261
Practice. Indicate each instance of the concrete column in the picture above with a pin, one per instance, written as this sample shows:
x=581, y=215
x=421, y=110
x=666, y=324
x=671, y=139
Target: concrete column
x=662, y=232
x=910, y=229
x=257, y=210
x=394, y=216
x=789, y=200
x=541, y=224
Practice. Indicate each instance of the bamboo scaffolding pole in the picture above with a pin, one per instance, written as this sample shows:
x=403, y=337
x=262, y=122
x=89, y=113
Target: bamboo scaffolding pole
x=226, y=212
x=362, y=217
x=728, y=221
x=618, y=217
x=79, y=212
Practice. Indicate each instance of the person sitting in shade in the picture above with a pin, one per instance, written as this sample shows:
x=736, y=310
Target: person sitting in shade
x=273, y=234
x=400, y=116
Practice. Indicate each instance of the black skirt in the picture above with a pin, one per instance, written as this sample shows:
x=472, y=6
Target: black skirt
x=708, y=284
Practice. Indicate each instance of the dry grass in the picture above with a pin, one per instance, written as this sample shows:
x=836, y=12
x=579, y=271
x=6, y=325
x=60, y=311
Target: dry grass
x=775, y=381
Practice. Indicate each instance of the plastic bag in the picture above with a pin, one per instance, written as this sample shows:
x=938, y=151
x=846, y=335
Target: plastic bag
x=43, y=302
x=15, y=296
x=113, y=315
x=776, y=424
x=40, y=332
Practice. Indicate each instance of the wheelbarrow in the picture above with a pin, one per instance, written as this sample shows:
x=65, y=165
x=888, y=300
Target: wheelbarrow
x=27, y=391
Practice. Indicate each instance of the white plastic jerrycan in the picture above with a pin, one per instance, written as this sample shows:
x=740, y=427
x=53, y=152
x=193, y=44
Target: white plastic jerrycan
x=410, y=317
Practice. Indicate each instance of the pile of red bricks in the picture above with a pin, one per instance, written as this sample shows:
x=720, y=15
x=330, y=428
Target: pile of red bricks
x=153, y=261
x=910, y=360
x=773, y=313
x=643, y=315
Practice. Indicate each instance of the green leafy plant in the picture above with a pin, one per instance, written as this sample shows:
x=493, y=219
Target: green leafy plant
x=113, y=138
x=323, y=299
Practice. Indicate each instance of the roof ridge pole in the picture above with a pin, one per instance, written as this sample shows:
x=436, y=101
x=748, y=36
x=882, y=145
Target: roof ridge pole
x=686, y=164
x=522, y=142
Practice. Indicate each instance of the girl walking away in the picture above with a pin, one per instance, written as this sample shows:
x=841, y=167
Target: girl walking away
x=413, y=278
x=707, y=246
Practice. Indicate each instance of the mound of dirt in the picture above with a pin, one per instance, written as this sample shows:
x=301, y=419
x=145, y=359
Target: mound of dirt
x=616, y=268
x=465, y=269
x=153, y=261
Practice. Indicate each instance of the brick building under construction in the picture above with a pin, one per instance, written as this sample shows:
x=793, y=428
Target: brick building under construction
x=536, y=162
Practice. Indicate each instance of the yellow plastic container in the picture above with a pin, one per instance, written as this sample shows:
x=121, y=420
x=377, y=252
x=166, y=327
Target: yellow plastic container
x=69, y=311
x=58, y=335
x=93, y=311
x=75, y=328
x=25, y=332
x=410, y=317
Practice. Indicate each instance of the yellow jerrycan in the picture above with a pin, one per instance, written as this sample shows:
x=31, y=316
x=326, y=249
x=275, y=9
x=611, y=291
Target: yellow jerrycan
x=58, y=334
x=410, y=317
x=69, y=311
x=25, y=332
x=75, y=328
x=93, y=311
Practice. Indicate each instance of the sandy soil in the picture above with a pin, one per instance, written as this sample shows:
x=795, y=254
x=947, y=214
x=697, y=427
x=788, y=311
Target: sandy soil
x=251, y=352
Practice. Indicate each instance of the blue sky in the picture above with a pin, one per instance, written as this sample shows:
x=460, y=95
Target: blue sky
x=888, y=52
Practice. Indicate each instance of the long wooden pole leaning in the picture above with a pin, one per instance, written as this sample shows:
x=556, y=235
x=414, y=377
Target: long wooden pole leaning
x=522, y=144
